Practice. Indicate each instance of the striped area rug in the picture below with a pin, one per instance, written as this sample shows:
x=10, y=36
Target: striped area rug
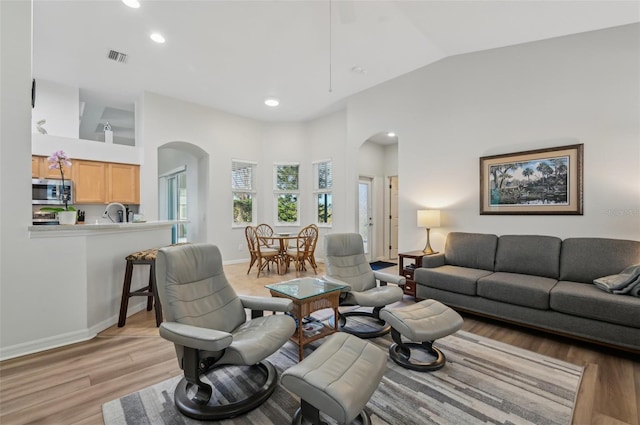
x=483, y=382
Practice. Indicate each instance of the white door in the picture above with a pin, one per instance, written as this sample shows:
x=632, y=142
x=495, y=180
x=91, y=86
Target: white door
x=365, y=220
x=393, y=217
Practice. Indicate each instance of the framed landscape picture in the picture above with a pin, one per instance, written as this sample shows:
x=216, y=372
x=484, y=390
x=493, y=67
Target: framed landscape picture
x=544, y=181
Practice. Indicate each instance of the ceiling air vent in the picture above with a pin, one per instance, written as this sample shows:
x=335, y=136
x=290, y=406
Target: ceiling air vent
x=117, y=56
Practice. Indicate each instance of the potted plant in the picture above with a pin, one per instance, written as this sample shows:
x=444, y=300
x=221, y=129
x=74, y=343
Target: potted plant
x=66, y=214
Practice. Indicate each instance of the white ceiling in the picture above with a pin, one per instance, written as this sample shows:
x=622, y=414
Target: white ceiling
x=231, y=55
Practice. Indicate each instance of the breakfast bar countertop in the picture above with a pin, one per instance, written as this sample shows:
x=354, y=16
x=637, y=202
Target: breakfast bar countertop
x=96, y=228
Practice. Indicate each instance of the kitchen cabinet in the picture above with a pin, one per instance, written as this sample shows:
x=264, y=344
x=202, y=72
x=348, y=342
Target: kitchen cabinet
x=40, y=169
x=90, y=182
x=104, y=182
x=123, y=183
x=35, y=167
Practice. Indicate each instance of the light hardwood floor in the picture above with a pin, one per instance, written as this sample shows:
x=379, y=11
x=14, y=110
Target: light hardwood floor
x=68, y=385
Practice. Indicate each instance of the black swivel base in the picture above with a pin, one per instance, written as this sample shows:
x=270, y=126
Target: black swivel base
x=382, y=328
x=308, y=414
x=400, y=352
x=198, y=406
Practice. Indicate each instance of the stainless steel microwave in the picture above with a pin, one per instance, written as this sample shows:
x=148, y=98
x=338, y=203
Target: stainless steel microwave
x=50, y=191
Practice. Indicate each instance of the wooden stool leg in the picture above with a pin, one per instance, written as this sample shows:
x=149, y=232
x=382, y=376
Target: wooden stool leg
x=154, y=291
x=126, y=288
x=150, y=288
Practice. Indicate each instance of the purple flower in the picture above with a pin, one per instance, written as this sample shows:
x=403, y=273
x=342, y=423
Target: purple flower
x=56, y=162
x=57, y=159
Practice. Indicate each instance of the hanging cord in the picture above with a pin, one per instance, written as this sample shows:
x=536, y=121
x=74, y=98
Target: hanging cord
x=330, y=82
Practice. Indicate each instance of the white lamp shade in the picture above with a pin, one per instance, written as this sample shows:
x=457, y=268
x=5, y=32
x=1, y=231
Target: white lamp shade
x=429, y=218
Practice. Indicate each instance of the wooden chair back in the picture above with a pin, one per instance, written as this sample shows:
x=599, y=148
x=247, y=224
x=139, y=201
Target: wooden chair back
x=264, y=230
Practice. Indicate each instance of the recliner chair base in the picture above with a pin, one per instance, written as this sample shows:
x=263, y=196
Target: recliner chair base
x=383, y=327
x=400, y=352
x=308, y=414
x=198, y=406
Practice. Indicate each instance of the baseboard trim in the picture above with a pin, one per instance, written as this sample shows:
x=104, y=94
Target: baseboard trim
x=49, y=343
x=43, y=344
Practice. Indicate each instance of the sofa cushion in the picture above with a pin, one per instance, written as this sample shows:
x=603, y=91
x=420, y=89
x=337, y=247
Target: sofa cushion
x=472, y=250
x=451, y=278
x=519, y=289
x=582, y=300
x=586, y=259
x=529, y=254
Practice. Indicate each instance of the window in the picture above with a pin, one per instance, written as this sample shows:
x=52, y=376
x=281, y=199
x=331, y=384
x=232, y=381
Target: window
x=243, y=188
x=286, y=190
x=323, y=184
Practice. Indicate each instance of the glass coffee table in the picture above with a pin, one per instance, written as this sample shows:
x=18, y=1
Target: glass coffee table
x=308, y=295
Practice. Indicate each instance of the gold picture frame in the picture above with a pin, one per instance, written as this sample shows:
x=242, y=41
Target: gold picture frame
x=543, y=181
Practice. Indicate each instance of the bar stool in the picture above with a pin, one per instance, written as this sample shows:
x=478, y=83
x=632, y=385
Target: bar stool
x=147, y=256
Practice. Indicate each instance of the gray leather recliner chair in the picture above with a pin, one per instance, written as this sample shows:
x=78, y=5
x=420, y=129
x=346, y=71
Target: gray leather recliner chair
x=207, y=322
x=347, y=265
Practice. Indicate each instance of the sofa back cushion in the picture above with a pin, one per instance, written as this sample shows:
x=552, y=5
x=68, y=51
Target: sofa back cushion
x=586, y=259
x=529, y=254
x=473, y=250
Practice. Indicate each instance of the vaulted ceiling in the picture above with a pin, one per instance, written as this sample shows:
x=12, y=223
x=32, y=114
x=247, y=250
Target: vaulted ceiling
x=311, y=55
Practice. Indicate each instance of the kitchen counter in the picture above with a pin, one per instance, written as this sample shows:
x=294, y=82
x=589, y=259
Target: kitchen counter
x=95, y=228
x=82, y=270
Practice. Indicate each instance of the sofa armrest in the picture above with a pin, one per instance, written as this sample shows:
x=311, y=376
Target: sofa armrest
x=431, y=261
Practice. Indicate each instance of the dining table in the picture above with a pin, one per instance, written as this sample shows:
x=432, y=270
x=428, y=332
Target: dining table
x=283, y=243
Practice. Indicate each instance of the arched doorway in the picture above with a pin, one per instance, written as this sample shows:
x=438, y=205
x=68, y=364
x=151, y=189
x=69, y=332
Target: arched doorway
x=183, y=178
x=377, y=169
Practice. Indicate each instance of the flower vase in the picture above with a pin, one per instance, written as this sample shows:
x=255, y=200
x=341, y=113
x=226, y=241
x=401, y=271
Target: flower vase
x=67, y=217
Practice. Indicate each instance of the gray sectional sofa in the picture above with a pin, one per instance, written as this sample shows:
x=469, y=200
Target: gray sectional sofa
x=537, y=281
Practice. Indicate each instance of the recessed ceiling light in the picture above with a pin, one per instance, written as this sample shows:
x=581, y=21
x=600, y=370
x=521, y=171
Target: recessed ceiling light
x=157, y=37
x=271, y=102
x=391, y=134
x=134, y=4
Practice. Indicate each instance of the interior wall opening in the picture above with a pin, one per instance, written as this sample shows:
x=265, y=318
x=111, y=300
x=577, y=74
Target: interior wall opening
x=378, y=164
x=183, y=190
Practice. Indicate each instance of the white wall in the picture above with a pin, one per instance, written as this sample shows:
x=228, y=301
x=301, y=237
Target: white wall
x=221, y=136
x=36, y=297
x=45, y=145
x=576, y=89
x=283, y=143
x=327, y=137
x=59, y=105
x=225, y=137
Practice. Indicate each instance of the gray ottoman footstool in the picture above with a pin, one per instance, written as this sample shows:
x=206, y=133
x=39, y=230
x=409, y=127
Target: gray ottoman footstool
x=337, y=379
x=422, y=323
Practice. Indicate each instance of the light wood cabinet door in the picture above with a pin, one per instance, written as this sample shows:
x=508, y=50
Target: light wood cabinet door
x=35, y=167
x=40, y=169
x=123, y=183
x=90, y=180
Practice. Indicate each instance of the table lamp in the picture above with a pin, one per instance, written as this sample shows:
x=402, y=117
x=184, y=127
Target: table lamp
x=428, y=219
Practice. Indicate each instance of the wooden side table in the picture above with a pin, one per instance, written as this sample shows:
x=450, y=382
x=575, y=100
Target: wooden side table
x=408, y=270
x=309, y=295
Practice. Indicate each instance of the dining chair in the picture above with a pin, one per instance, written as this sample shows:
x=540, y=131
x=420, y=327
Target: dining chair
x=312, y=257
x=263, y=255
x=250, y=246
x=264, y=231
x=304, y=249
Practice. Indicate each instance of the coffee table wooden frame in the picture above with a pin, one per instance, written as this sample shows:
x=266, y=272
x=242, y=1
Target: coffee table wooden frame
x=304, y=307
